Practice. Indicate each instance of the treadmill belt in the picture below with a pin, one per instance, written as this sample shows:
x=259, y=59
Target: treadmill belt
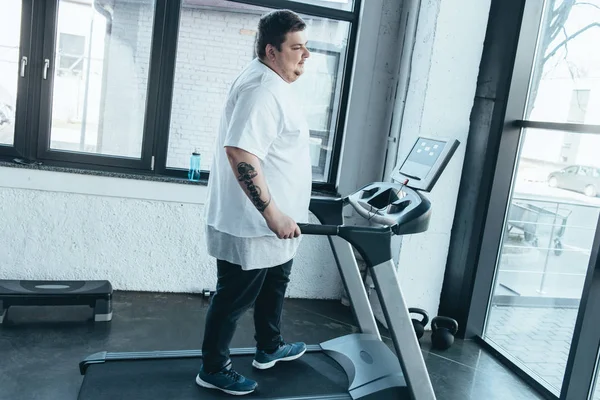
x=314, y=374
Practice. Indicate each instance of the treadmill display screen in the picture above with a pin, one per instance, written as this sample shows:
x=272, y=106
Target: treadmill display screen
x=422, y=157
x=425, y=162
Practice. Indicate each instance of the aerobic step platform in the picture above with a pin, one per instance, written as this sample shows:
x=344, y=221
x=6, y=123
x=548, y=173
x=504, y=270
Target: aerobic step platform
x=96, y=294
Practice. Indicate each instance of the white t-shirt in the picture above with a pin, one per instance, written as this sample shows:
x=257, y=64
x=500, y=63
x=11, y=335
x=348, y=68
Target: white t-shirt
x=262, y=117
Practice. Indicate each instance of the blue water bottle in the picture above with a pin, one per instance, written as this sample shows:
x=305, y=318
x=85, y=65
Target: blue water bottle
x=194, y=172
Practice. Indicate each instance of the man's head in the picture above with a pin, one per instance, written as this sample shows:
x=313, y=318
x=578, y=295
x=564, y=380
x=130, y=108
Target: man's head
x=281, y=43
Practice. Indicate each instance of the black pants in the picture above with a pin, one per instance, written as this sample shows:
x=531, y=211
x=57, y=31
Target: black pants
x=237, y=290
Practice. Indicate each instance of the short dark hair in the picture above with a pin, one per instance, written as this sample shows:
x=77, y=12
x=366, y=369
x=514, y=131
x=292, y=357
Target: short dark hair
x=273, y=27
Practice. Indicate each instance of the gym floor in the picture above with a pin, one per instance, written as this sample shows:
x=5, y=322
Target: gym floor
x=40, y=347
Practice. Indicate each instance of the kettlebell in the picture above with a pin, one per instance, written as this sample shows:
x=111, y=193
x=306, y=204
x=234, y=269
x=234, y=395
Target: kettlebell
x=443, y=331
x=419, y=325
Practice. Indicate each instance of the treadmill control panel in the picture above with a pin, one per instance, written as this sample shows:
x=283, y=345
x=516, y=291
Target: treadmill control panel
x=399, y=204
x=393, y=205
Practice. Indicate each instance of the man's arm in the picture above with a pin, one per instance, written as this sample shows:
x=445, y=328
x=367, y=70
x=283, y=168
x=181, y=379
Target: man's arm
x=248, y=172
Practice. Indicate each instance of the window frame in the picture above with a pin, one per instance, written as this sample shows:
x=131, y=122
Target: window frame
x=34, y=118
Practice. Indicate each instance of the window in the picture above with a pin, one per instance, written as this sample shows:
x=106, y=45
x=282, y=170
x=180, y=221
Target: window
x=10, y=29
x=319, y=92
x=214, y=45
x=101, y=77
x=564, y=81
x=579, y=106
x=137, y=85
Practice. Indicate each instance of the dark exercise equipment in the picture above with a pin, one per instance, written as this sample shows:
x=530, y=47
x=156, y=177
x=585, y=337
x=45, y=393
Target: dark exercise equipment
x=355, y=366
x=96, y=294
x=419, y=324
x=443, y=330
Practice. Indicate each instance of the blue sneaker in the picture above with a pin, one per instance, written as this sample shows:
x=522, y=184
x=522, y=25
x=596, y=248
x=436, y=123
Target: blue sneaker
x=285, y=352
x=226, y=380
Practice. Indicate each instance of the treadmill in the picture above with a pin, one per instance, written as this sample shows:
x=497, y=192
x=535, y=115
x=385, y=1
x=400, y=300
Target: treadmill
x=354, y=366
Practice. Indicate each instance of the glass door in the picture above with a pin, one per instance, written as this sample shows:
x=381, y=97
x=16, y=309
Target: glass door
x=545, y=206
x=543, y=265
x=543, y=262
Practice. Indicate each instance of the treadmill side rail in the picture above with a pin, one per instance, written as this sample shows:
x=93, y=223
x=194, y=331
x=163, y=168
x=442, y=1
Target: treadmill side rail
x=401, y=329
x=96, y=358
x=107, y=357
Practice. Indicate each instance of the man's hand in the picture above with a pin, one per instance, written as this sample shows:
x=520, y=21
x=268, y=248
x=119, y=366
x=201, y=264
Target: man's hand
x=248, y=172
x=282, y=225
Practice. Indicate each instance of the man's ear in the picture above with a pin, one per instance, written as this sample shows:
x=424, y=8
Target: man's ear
x=270, y=52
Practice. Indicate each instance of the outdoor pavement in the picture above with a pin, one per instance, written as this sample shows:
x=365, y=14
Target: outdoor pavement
x=539, y=338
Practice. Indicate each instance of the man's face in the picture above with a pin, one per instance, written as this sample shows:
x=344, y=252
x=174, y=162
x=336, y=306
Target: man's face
x=289, y=62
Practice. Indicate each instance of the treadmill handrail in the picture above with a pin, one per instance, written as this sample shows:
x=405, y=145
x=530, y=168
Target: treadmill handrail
x=335, y=230
x=316, y=229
